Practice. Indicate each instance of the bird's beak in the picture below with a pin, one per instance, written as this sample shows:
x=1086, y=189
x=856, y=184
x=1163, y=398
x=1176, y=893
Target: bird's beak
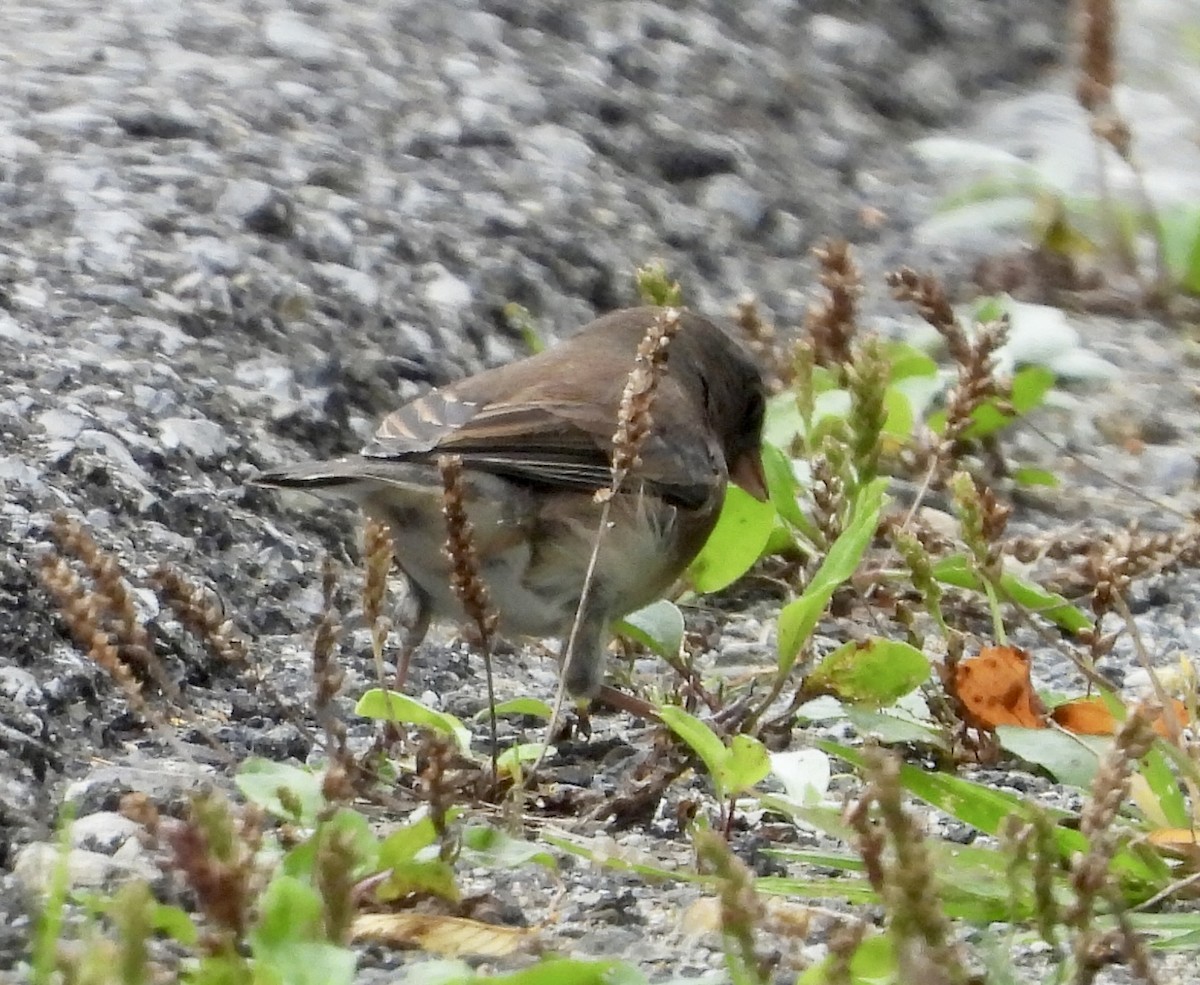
x=747, y=472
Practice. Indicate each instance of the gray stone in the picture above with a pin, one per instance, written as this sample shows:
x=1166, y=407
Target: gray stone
x=203, y=439
x=289, y=36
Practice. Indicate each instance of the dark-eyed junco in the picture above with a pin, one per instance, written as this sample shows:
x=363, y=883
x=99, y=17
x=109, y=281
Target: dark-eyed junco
x=535, y=438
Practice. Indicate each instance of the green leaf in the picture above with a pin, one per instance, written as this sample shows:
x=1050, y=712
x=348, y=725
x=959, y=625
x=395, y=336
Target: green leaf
x=1181, y=245
x=350, y=828
x=533, y=707
x=1068, y=758
x=873, y=963
x=698, y=737
x=857, y=891
x=262, y=781
x=391, y=706
x=900, y=418
x=907, y=361
x=176, y=923
x=407, y=842
x=310, y=963
x=548, y=971
x=658, y=626
x=783, y=486
x=980, y=806
x=1161, y=780
x=1027, y=476
x=433, y=877
x=569, y=971
x=875, y=671
x=290, y=910
x=1030, y=386
x=510, y=760
x=746, y=765
x=956, y=570
x=896, y=730
x=735, y=544
x=492, y=848
x=799, y=618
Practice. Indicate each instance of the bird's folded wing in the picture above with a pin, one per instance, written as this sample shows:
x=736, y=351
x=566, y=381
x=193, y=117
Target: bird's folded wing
x=552, y=443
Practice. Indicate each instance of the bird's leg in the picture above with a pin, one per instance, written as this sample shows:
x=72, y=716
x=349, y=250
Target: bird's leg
x=415, y=630
x=583, y=666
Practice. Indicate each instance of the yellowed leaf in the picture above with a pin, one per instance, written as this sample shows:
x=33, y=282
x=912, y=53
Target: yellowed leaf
x=453, y=937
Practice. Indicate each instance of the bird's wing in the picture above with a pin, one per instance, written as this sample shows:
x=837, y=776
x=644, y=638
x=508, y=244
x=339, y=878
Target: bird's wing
x=550, y=442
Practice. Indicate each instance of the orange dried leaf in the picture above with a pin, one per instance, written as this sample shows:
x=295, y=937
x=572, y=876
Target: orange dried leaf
x=1091, y=716
x=1085, y=716
x=995, y=688
x=1181, y=719
x=1178, y=841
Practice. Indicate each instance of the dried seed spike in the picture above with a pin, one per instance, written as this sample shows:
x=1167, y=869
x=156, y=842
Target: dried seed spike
x=833, y=322
x=634, y=418
x=198, y=611
x=81, y=610
x=926, y=293
x=465, y=579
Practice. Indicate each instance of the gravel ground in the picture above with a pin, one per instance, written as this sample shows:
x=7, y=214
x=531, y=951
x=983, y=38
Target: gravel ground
x=234, y=234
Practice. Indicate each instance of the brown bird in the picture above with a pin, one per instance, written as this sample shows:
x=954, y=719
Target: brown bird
x=535, y=438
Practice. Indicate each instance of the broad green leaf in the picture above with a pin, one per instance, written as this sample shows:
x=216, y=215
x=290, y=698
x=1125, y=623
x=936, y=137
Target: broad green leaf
x=1030, y=386
x=309, y=963
x=658, y=626
x=906, y=361
x=747, y=764
x=900, y=419
x=175, y=923
x=392, y=706
x=1027, y=476
x=736, y=542
x=989, y=309
x=533, y=707
x=351, y=829
x=262, y=781
x=873, y=963
x=799, y=618
x=1181, y=245
x=290, y=910
x=875, y=671
x=492, y=848
x=407, y=878
x=698, y=737
x=1070, y=759
x=1161, y=781
x=510, y=760
x=408, y=841
x=894, y=729
x=783, y=485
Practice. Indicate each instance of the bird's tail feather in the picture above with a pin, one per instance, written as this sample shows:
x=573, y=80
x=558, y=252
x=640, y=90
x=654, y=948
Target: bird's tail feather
x=349, y=477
